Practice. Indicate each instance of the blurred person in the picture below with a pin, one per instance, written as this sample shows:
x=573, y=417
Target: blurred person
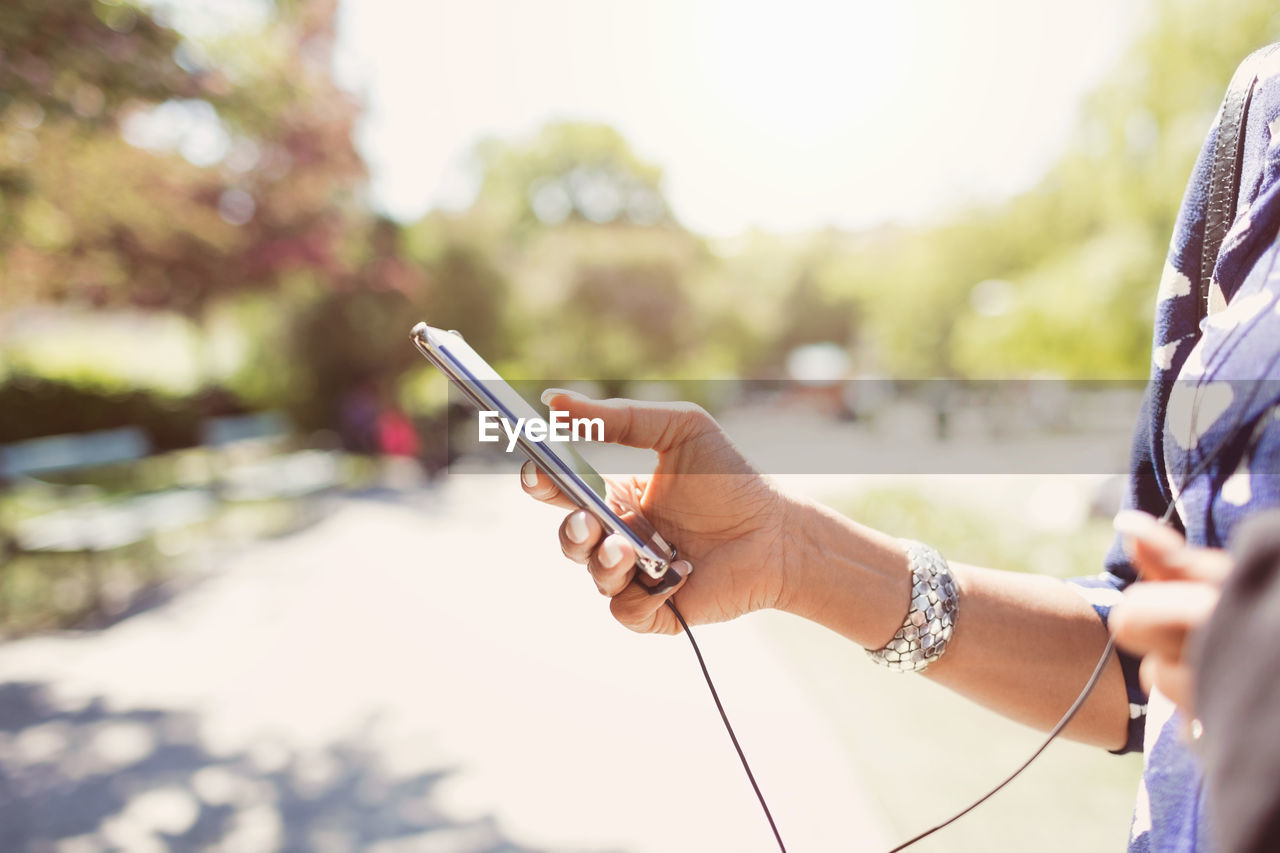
x=397, y=435
x=401, y=466
x=358, y=418
x=1020, y=644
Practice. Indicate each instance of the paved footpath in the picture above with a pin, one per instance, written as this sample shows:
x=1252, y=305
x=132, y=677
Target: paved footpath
x=418, y=673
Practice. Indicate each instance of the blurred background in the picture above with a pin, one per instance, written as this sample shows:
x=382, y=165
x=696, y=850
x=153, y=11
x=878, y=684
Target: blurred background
x=247, y=593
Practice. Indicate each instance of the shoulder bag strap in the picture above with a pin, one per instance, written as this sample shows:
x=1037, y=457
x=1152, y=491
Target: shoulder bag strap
x=1224, y=183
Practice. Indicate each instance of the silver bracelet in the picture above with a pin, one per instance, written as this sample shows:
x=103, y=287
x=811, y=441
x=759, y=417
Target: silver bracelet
x=926, y=631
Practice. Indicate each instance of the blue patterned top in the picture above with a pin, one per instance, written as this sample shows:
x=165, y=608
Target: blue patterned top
x=1205, y=394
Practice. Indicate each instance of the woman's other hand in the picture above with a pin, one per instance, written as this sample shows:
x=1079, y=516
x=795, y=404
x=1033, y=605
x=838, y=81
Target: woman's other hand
x=1178, y=588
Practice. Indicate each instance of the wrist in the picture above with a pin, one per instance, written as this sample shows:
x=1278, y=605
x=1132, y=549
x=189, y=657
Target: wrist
x=793, y=517
x=847, y=577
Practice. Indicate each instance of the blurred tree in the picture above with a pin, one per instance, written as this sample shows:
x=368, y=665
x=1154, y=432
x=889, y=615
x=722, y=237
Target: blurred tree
x=1085, y=248
x=140, y=167
x=470, y=288
x=815, y=315
x=1081, y=253
x=630, y=314
x=354, y=338
x=570, y=172
x=86, y=61
x=343, y=342
x=69, y=71
x=600, y=274
x=611, y=302
x=148, y=170
x=471, y=295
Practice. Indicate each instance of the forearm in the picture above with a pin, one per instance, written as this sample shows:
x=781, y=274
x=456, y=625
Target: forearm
x=1024, y=645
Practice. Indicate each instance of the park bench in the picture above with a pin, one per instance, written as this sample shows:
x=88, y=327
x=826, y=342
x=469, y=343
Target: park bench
x=252, y=462
x=91, y=521
x=86, y=520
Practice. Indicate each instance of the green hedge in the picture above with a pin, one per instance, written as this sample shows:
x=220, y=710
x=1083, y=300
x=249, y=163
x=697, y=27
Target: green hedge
x=31, y=407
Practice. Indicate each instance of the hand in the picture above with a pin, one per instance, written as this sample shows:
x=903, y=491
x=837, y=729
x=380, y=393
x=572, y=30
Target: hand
x=1178, y=588
x=723, y=516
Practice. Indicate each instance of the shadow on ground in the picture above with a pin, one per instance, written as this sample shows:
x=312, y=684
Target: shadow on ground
x=85, y=777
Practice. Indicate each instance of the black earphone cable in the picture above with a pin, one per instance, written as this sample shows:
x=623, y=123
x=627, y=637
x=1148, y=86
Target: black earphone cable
x=1057, y=729
x=727, y=725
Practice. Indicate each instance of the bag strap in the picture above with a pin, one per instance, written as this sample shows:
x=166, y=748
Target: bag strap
x=1224, y=182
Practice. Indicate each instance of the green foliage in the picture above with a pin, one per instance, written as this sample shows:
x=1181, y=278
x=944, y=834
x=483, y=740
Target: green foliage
x=1083, y=314
x=85, y=61
x=87, y=217
x=569, y=264
x=1081, y=252
x=570, y=172
x=469, y=293
x=969, y=535
x=343, y=341
x=1084, y=249
x=31, y=407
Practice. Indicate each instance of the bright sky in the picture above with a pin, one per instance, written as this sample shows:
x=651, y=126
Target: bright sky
x=783, y=116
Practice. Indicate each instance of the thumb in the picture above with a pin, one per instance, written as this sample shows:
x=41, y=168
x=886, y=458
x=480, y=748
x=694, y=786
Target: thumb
x=1160, y=553
x=635, y=423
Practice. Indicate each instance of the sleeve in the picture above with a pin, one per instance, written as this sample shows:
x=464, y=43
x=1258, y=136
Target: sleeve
x=1103, y=590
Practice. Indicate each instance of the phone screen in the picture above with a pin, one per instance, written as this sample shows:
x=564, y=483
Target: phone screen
x=483, y=380
x=566, y=467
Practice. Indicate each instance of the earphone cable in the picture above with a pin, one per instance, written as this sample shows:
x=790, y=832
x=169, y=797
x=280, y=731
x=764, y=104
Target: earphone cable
x=1057, y=729
x=727, y=725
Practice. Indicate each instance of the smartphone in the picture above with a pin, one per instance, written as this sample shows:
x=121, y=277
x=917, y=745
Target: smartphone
x=598, y=495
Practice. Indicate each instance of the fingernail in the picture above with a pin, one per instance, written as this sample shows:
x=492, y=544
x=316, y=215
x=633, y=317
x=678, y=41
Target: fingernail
x=1133, y=522
x=578, y=528
x=683, y=568
x=610, y=553
x=1137, y=527
x=529, y=474
x=553, y=392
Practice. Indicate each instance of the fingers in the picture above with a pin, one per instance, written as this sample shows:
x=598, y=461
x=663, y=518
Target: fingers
x=538, y=485
x=613, y=568
x=1144, y=528
x=636, y=609
x=1172, y=678
x=579, y=535
x=1161, y=553
x=656, y=426
x=1207, y=565
x=1155, y=618
x=612, y=565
